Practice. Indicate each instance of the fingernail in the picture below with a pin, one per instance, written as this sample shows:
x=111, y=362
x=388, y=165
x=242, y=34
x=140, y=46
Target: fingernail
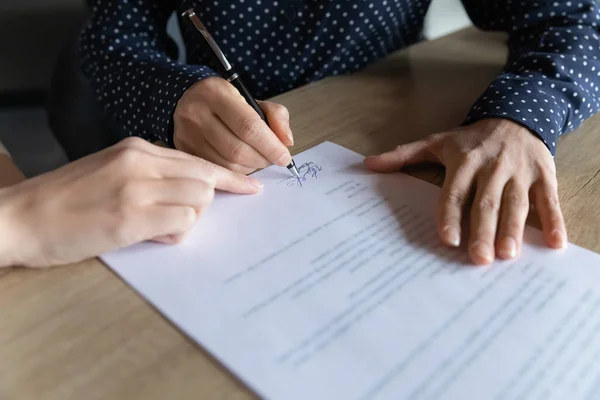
x=290, y=136
x=483, y=252
x=452, y=236
x=284, y=160
x=508, y=247
x=558, y=238
x=255, y=183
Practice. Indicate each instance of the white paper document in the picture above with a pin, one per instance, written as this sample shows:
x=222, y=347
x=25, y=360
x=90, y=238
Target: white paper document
x=336, y=286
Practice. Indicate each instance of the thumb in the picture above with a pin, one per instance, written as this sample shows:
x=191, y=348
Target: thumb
x=278, y=118
x=401, y=156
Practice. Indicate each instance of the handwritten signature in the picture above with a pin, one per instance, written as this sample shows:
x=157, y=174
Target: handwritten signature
x=306, y=170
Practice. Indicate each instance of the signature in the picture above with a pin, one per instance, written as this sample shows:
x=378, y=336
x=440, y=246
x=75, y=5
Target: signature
x=305, y=171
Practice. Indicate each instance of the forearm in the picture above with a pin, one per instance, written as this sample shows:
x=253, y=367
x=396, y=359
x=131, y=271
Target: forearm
x=550, y=83
x=130, y=62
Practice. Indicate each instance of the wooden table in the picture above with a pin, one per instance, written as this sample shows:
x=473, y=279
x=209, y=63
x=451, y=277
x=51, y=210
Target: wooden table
x=78, y=332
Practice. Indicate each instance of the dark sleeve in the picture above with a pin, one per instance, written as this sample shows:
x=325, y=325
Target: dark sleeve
x=551, y=79
x=129, y=59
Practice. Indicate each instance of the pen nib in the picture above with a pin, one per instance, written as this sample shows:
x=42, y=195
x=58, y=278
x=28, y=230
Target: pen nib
x=293, y=169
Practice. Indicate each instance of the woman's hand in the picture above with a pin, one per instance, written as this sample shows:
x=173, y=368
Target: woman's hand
x=213, y=121
x=505, y=167
x=129, y=193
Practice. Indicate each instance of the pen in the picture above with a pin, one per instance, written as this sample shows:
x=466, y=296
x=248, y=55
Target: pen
x=228, y=73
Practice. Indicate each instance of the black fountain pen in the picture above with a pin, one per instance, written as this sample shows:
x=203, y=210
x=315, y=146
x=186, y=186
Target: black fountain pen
x=227, y=71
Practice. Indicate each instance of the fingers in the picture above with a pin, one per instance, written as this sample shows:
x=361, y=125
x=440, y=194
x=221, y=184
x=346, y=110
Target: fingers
x=231, y=148
x=455, y=193
x=247, y=125
x=234, y=182
x=545, y=200
x=213, y=106
x=484, y=217
x=515, y=208
x=211, y=154
x=279, y=121
x=401, y=156
x=164, y=223
x=180, y=192
x=170, y=239
x=219, y=177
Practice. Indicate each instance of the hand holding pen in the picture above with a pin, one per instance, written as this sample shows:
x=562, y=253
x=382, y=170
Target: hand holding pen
x=218, y=119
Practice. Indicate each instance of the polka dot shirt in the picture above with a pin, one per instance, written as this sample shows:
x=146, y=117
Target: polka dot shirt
x=550, y=82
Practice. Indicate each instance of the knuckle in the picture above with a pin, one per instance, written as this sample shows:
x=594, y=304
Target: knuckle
x=236, y=154
x=129, y=194
x=455, y=198
x=500, y=163
x=208, y=195
x=128, y=158
x=551, y=185
x=512, y=227
x=240, y=169
x=468, y=158
x=550, y=200
x=435, y=137
x=209, y=174
x=546, y=166
x=436, y=143
x=133, y=142
x=120, y=223
x=188, y=216
x=281, y=111
x=211, y=86
x=515, y=200
x=487, y=204
x=187, y=111
x=250, y=129
x=185, y=218
x=549, y=180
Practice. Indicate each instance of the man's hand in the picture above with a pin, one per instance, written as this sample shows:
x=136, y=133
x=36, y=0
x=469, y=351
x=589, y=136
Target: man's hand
x=505, y=167
x=128, y=193
x=213, y=121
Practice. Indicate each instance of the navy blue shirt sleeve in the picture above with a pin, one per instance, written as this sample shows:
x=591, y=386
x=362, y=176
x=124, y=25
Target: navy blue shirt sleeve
x=550, y=82
x=551, y=79
x=130, y=62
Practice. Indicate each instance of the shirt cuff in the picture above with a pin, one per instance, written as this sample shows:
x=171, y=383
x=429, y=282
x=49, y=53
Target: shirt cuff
x=521, y=102
x=168, y=89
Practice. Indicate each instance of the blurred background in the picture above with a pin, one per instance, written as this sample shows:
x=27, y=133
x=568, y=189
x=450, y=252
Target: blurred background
x=32, y=34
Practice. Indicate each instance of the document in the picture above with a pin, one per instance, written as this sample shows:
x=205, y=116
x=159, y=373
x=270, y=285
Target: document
x=336, y=286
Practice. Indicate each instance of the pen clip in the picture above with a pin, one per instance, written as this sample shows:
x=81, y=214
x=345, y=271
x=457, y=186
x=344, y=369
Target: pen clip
x=193, y=18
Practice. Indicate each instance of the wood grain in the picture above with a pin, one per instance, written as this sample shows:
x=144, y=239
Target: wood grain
x=79, y=332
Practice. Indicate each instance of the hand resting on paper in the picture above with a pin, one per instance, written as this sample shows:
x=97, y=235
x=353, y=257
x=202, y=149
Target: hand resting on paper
x=504, y=168
x=131, y=192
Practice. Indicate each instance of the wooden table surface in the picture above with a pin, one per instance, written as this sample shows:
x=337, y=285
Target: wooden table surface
x=79, y=332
